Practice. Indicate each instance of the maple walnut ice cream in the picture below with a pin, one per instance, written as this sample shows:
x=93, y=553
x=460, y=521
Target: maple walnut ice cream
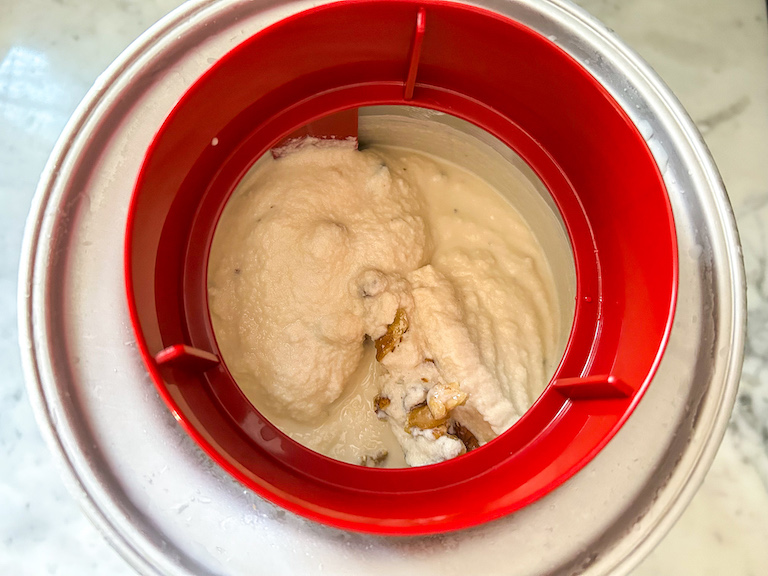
x=382, y=307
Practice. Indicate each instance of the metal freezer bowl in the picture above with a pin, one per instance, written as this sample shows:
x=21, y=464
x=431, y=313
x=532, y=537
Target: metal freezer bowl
x=169, y=510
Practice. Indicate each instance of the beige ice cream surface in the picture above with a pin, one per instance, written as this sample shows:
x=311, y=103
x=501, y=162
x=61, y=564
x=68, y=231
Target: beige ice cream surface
x=329, y=258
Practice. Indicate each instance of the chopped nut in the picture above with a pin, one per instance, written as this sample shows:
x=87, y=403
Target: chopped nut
x=421, y=417
x=441, y=430
x=380, y=403
x=371, y=460
x=442, y=398
x=463, y=434
x=393, y=335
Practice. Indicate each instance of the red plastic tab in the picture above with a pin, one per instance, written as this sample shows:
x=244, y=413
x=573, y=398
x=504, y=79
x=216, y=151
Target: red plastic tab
x=413, y=64
x=183, y=356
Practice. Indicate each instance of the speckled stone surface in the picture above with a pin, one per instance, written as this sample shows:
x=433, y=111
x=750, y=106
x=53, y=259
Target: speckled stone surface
x=713, y=54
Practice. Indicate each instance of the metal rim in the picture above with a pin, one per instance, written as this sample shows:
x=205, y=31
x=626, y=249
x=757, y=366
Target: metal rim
x=31, y=368
x=706, y=454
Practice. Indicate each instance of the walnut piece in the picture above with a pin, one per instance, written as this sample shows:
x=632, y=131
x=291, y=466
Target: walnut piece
x=392, y=336
x=421, y=417
x=376, y=459
x=441, y=430
x=467, y=438
x=380, y=404
x=442, y=398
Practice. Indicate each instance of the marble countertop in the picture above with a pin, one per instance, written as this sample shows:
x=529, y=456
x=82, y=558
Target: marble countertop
x=714, y=56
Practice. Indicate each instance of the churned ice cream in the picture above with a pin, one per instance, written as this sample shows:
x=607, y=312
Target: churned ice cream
x=382, y=307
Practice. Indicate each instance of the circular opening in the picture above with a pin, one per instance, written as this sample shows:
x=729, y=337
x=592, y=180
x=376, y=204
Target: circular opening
x=496, y=75
x=493, y=219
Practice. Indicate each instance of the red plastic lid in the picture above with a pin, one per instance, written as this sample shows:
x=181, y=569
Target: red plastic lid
x=478, y=66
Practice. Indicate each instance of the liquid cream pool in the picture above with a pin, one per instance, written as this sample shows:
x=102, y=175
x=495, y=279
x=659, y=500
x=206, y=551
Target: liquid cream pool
x=379, y=302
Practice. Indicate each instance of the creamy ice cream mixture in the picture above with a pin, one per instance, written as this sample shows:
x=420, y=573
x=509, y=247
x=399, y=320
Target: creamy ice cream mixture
x=382, y=307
